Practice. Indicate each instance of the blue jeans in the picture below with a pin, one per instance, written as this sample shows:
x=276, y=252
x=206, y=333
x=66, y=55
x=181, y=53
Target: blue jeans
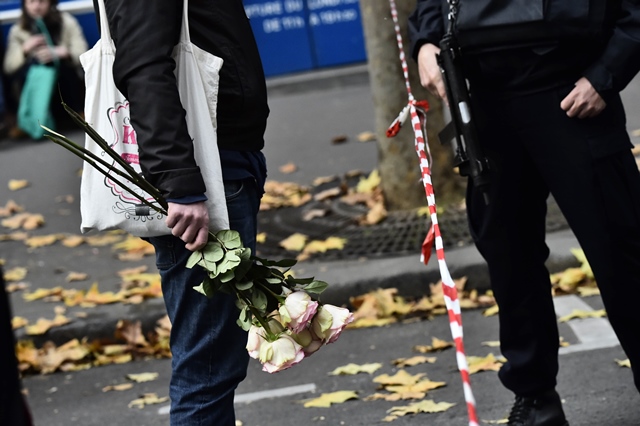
x=208, y=347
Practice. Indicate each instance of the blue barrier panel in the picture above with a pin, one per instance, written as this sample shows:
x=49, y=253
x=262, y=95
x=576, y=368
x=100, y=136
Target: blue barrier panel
x=336, y=29
x=282, y=35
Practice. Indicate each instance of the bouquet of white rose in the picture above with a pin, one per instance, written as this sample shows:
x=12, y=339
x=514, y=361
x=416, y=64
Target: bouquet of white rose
x=284, y=323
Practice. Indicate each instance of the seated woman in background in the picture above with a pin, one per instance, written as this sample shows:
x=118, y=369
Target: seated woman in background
x=27, y=45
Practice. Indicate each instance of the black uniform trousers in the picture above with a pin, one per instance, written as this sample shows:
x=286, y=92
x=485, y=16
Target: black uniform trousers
x=586, y=164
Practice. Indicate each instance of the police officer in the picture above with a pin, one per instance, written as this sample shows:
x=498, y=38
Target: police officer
x=544, y=79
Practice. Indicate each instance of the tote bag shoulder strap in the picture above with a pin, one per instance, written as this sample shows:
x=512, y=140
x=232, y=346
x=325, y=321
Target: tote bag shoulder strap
x=185, y=35
x=105, y=33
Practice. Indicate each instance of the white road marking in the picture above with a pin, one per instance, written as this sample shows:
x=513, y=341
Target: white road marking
x=255, y=396
x=593, y=333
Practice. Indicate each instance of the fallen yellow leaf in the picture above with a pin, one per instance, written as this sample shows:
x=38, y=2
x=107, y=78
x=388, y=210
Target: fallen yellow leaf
x=41, y=241
x=288, y=168
x=94, y=296
x=376, y=214
x=492, y=343
x=323, y=179
x=17, y=322
x=134, y=245
x=295, y=242
x=584, y=263
x=327, y=399
x=427, y=406
x=491, y=311
x=328, y=194
x=400, y=378
x=132, y=271
x=319, y=246
x=351, y=369
x=570, y=278
x=369, y=183
x=496, y=422
x=416, y=390
x=10, y=208
x=121, y=387
x=142, y=377
x=366, y=137
x=13, y=287
x=33, y=221
x=436, y=345
x=103, y=239
x=43, y=325
x=588, y=291
x=577, y=313
x=15, y=274
x=41, y=293
x=261, y=237
x=147, y=399
x=372, y=322
x=487, y=363
x=16, y=184
x=624, y=363
x=72, y=241
x=76, y=276
x=416, y=360
x=53, y=358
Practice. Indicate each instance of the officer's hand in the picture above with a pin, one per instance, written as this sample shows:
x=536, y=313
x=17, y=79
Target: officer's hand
x=430, y=75
x=583, y=101
x=190, y=223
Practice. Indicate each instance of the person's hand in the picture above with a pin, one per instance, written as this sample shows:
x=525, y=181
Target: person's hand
x=34, y=42
x=190, y=223
x=43, y=54
x=583, y=101
x=429, y=70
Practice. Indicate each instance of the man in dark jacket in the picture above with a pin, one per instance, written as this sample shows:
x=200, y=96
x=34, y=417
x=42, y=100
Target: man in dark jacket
x=209, y=355
x=550, y=120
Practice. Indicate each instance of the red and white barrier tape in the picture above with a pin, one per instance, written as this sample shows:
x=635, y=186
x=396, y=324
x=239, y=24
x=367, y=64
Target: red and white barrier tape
x=449, y=288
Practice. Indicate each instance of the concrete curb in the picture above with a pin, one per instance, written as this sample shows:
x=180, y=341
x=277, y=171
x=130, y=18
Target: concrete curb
x=346, y=278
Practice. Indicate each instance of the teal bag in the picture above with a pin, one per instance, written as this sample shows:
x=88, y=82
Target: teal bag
x=34, y=108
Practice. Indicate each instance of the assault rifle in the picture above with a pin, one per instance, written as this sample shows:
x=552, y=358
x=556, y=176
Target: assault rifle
x=461, y=131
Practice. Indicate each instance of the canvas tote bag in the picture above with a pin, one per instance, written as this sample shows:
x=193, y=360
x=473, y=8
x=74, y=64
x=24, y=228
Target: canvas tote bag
x=105, y=205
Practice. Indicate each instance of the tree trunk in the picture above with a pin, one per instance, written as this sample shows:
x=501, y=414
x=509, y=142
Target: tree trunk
x=397, y=160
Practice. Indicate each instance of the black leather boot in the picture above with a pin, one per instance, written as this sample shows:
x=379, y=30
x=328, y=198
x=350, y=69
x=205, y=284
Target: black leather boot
x=541, y=410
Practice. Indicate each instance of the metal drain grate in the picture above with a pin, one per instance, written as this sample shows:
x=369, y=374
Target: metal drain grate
x=401, y=233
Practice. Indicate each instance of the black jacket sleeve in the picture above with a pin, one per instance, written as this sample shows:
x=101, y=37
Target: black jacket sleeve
x=145, y=33
x=426, y=25
x=620, y=60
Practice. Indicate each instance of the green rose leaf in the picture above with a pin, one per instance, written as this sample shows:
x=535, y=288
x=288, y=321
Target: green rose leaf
x=206, y=287
x=244, y=285
x=316, y=287
x=230, y=261
x=243, y=268
x=226, y=277
x=229, y=238
x=273, y=280
x=213, y=252
x=211, y=268
x=193, y=260
x=293, y=281
x=244, y=320
x=259, y=299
